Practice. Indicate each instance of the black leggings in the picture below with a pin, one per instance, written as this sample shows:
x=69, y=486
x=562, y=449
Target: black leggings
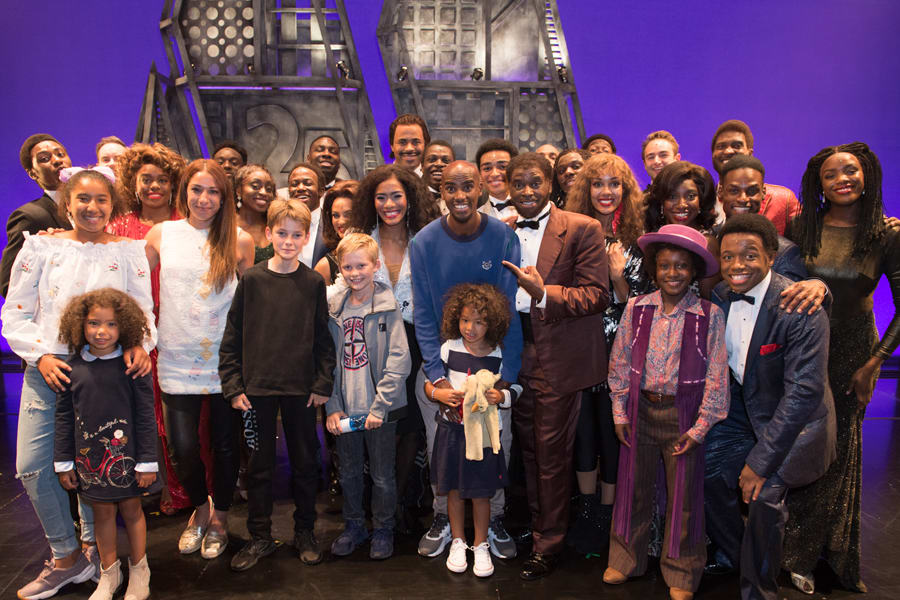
x=596, y=435
x=182, y=418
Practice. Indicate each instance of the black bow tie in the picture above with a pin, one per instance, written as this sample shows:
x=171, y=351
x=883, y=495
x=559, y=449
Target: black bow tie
x=532, y=223
x=736, y=297
x=501, y=205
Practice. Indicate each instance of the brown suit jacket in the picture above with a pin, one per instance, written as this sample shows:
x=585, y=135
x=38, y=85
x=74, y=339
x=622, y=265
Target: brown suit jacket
x=568, y=331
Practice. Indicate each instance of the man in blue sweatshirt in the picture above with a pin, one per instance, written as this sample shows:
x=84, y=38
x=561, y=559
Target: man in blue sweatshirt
x=464, y=246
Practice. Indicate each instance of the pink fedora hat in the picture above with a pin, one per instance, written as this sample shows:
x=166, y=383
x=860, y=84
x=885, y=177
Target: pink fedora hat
x=684, y=237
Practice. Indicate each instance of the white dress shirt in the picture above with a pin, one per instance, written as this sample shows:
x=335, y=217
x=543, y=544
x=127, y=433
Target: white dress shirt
x=54, y=195
x=490, y=208
x=739, y=327
x=530, y=241
x=306, y=254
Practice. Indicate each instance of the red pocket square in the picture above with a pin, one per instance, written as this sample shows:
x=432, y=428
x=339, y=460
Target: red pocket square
x=768, y=349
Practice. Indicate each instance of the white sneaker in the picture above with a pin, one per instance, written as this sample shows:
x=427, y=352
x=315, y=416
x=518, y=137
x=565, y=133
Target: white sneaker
x=483, y=566
x=110, y=581
x=456, y=560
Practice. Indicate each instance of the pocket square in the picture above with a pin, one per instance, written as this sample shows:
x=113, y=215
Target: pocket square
x=768, y=349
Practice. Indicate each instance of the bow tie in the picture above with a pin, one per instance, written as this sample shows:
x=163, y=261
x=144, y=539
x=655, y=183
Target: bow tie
x=736, y=297
x=532, y=223
x=501, y=205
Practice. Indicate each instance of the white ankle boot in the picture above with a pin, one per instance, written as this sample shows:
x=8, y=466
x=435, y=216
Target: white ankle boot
x=138, y=580
x=110, y=581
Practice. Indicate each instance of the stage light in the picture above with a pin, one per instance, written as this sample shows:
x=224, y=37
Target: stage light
x=346, y=73
x=563, y=74
x=403, y=73
x=477, y=74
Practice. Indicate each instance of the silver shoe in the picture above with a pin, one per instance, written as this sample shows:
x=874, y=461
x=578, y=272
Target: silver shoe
x=191, y=538
x=214, y=543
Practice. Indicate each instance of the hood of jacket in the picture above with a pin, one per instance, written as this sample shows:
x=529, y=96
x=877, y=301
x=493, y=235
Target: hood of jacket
x=382, y=301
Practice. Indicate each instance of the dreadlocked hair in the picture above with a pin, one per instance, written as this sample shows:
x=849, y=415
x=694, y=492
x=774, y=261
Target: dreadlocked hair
x=807, y=227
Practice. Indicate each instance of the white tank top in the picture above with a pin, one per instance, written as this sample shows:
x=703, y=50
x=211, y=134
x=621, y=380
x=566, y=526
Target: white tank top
x=191, y=313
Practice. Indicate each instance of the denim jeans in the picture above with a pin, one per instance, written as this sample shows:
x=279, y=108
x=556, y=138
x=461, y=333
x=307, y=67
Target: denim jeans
x=429, y=412
x=34, y=467
x=381, y=447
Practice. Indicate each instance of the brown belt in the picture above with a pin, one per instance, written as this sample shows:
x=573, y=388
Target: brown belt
x=657, y=398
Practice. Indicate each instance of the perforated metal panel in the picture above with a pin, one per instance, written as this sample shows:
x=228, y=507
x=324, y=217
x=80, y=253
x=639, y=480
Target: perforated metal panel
x=264, y=73
x=527, y=93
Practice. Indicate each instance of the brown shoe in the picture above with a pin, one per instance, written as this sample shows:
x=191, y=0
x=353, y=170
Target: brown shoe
x=680, y=594
x=613, y=577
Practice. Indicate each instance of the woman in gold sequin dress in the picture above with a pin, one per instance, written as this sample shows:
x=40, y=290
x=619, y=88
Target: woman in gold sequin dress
x=845, y=242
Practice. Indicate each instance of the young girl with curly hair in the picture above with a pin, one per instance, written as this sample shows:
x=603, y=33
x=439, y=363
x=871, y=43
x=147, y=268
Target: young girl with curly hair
x=476, y=317
x=105, y=441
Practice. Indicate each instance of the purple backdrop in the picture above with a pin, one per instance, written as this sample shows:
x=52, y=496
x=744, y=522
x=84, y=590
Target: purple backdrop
x=803, y=74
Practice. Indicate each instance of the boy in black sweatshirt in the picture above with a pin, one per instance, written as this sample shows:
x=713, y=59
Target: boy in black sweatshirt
x=277, y=352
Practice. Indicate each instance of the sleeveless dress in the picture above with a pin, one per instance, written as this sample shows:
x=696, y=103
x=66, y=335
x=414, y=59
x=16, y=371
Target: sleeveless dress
x=192, y=313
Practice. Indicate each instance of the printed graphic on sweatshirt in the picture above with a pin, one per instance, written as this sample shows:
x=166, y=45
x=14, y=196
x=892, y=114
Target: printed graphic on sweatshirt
x=356, y=356
x=115, y=468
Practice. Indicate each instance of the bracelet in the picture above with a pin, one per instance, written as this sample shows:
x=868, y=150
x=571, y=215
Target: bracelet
x=433, y=390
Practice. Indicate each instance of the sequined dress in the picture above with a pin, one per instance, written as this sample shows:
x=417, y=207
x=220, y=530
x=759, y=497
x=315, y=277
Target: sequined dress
x=825, y=516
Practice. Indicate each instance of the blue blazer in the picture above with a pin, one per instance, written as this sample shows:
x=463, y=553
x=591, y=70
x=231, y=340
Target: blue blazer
x=786, y=391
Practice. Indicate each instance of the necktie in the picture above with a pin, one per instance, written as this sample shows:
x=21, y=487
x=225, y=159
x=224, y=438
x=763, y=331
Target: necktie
x=532, y=223
x=736, y=297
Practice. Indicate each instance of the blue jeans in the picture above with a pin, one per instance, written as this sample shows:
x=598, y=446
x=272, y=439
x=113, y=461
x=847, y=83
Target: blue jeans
x=34, y=467
x=381, y=447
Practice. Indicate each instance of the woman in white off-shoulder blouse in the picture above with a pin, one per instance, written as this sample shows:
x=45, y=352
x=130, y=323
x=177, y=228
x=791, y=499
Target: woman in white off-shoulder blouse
x=48, y=271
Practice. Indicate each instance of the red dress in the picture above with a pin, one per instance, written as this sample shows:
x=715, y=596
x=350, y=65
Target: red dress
x=130, y=226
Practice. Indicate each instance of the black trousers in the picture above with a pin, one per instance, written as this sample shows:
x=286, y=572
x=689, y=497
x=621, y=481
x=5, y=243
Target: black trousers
x=299, y=424
x=182, y=418
x=596, y=435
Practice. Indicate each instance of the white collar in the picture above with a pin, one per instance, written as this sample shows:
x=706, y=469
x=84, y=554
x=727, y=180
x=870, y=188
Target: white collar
x=758, y=291
x=54, y=195
x=86, y=354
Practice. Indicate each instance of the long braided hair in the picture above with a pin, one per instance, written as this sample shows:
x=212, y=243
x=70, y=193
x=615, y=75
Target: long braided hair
x=807, y=227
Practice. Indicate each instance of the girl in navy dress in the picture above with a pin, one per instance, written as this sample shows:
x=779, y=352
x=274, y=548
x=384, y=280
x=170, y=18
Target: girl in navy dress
x=106, y=430
x=475, y=320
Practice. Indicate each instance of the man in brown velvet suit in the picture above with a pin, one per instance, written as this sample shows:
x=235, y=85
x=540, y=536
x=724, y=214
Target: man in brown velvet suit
x=563, y=291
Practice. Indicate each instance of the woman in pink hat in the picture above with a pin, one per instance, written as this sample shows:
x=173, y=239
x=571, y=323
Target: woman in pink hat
x=668, y=380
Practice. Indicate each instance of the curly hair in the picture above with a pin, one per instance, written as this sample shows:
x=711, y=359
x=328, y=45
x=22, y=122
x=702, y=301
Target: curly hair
x=630, y=224
x=487, y=300
x=599, y=136
x=344, y=189
x=754, y=224
x=421, y=208
x=732, y=125
x=130, y=162
x=131, y=319
x=665, y=185
x=557, y=196
x=807, y=226
x=118, y=205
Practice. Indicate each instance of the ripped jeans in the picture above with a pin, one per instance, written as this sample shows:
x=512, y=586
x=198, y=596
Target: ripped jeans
x=34, y=467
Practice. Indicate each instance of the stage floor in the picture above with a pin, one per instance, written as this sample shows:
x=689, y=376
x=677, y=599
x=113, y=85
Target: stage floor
x=406, y=575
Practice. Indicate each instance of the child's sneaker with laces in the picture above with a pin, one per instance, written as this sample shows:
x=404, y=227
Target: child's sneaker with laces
x=456, y=560
x=483, y=566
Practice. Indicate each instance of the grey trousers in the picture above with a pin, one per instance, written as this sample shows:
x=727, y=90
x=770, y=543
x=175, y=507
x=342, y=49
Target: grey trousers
x=429, y=413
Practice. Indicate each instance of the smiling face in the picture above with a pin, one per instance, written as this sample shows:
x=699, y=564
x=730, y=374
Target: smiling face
x=493, y=172
x=741, y=191
x=257, y=191
x=682, y=206
x=108, y=152
x=606, y=193
x=436, y=159
x=842, y=179
x=288, y=238
x=90, y=205
x=460, y=189
x=358, y=270
x=204, y=199
x=408, y=145
x=341, y=215
x=657, y=154
x=325, y=154
x=744, y=261
x=390, y=201
x=530, y=191
x=674, y=273
x=303, y=185
x=567, y=169
x=230, y=160
x=152, y=186
x=48, y=158
x=101, y=330
x=548, y=151
x=727, y=145
x=473, y=326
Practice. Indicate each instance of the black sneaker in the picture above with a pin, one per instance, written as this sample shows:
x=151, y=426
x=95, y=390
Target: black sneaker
x=250, y=554
x=308, y=546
